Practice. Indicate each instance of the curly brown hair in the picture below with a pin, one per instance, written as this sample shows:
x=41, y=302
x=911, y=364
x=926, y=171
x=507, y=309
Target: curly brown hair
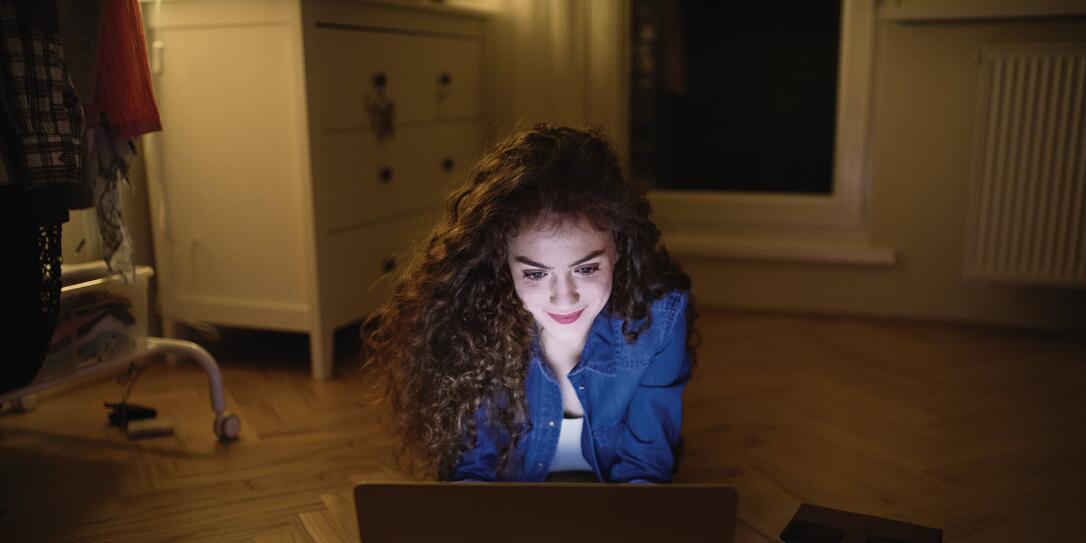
x=454, y=338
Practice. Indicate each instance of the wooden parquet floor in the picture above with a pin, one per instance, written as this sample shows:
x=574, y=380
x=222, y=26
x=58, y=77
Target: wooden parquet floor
x=977, y=431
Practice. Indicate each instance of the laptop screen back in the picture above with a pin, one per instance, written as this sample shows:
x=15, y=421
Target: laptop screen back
x=560, y=512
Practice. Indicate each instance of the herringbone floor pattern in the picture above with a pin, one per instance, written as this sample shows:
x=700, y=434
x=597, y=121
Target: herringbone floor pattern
x=974, y=430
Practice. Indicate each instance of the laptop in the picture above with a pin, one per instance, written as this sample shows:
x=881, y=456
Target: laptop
x=558, y=512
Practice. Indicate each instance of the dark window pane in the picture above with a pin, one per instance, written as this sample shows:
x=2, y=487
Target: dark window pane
x=735, y=96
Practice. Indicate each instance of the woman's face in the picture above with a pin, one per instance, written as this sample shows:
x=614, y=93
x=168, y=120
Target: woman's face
x=562, y=272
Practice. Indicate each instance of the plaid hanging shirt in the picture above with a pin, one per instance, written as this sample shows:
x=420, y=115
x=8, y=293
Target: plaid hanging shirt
x=40, y=103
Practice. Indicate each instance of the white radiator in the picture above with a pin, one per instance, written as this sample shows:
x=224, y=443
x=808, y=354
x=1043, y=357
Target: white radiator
x=1027, y=200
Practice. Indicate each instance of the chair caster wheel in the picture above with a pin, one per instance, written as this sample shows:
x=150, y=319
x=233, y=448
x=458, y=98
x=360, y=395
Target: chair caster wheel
x=227, y=426
x=25, y=403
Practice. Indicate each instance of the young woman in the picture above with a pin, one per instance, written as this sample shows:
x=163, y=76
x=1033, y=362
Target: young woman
x=543, y=328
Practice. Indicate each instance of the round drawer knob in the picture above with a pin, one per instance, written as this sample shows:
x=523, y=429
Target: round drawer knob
x=388, y=265
x=445, y=79
x=380, y=80
x=384, y=175
x=448, y=164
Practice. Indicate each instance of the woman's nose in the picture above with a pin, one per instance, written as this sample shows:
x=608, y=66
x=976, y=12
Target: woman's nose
x=564, y=293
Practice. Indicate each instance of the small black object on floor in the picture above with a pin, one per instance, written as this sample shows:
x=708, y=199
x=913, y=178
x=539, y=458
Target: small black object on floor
x=814, y=524
x=122, y=412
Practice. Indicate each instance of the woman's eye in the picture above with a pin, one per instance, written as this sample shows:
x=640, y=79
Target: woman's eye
x=589, y=269
x=534, y=275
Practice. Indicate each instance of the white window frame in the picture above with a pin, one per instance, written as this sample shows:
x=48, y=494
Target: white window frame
x=795, y=227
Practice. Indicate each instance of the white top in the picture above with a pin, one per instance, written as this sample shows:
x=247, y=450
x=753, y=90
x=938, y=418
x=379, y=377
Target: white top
x=568, y=456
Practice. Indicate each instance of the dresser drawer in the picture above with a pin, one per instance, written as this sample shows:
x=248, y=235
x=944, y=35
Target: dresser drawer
x=359, y=180
x=425, y=77
x=359, y=265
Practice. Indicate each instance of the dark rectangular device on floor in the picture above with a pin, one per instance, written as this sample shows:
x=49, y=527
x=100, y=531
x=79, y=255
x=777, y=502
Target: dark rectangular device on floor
x=565, y=512
x=814, y=524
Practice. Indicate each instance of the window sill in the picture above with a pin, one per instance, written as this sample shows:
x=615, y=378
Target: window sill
x=914, y=11
x=771, y=250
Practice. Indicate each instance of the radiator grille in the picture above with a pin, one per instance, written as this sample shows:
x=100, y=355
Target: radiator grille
x=1027, y=199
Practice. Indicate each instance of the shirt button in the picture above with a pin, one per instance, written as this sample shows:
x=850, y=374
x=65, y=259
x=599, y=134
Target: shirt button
x=551, y=424
x=580, y=387
x=540, y=465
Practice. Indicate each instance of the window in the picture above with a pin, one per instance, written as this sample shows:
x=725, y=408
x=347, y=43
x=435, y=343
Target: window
x=765, y=211
x=735, y=96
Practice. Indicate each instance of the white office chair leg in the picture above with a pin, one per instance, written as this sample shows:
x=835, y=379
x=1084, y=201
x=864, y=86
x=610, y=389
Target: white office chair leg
x=227, y=426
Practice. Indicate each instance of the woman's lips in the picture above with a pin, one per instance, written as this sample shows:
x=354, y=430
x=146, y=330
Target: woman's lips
x=568, y=318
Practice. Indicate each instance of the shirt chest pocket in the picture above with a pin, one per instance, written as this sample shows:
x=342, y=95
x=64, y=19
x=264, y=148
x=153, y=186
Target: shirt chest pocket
x=608, y=397
x=607, y=439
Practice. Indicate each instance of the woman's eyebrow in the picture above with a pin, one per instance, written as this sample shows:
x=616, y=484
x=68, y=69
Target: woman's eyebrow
x=526, y=260
x=582, y=260
x=588, y=257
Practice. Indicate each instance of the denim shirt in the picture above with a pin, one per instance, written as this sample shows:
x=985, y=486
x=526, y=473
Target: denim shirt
x=632, y=399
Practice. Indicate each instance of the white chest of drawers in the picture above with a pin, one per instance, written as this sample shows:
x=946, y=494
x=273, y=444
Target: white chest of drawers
x=276, y=201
